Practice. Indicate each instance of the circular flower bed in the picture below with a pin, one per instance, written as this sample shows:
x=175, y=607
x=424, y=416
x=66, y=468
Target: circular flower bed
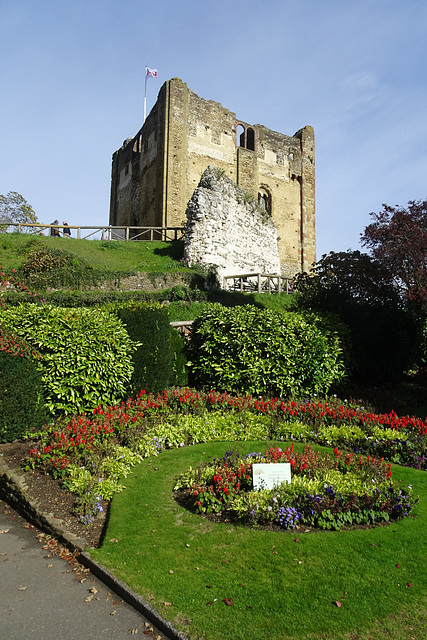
x=326, y=492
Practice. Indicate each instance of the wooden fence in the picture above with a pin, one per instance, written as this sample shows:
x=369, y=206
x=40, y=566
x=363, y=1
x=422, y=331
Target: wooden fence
x=258, y=282
x=164, y=234
x=183, y=327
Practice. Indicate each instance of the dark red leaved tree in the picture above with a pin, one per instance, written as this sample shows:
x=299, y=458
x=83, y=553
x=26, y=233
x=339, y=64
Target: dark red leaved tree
x=397, y=238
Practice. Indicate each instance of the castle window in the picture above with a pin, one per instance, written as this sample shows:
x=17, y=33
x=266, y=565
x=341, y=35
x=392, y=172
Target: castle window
x=241, y=138
x=245, y=138
x=264, y=200
x=250, y=139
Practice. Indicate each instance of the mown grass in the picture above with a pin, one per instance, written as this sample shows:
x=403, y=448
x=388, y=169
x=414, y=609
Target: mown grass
x=283, y=585
x=109, y=256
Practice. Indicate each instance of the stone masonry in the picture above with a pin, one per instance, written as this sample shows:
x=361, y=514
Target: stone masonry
x=155, y=173
x=227, y=227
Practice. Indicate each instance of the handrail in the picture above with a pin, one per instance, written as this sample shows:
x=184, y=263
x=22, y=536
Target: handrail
x=265, y=283
x=108, y=232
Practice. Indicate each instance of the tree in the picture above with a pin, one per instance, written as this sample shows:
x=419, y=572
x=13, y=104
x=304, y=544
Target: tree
x=397, y=238
x=14, y=209
x=361, y=292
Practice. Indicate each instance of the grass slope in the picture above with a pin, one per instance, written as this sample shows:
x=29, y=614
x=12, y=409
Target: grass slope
x=282, y=584
x=109, y=256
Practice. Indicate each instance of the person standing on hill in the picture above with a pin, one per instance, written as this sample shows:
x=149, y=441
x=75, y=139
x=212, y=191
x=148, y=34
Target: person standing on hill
x=54, y=231
x=66, y=231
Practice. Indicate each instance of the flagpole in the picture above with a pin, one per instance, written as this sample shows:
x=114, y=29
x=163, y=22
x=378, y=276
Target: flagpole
x=145, y=95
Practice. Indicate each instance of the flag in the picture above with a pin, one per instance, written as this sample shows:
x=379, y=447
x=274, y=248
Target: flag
x=150, y=73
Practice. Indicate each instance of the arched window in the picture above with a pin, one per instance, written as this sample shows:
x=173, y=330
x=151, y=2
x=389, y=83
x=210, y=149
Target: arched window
x=264, y=200
x=240, y=136
x=245, y=137
x=250, y=139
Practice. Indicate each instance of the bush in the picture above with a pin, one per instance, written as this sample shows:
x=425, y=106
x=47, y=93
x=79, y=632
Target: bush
x=384, y=334
x=21, y=400
x=159, y=361
x=85, y=354
x=97, y=298
x=263, y=352
x=179, y=370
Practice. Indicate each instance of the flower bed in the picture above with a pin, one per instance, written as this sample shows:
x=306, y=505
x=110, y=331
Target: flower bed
x=325, y=492
x=92, y=452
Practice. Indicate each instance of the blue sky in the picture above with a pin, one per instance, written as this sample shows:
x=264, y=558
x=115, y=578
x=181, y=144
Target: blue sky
x=72, y=76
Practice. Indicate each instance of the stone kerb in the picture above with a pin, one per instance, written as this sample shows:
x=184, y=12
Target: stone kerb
x=226, y=227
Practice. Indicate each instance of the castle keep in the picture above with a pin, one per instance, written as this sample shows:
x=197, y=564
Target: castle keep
x=155, y=173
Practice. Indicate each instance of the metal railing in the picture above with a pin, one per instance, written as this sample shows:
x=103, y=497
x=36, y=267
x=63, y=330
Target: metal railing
x=163, y=234
x=258, y=282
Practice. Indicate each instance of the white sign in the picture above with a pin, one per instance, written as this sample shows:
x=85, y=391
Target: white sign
x=266, y=476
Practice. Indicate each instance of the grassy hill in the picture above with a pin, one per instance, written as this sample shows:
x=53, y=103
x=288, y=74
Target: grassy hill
x=110, y=256
x=49, y=263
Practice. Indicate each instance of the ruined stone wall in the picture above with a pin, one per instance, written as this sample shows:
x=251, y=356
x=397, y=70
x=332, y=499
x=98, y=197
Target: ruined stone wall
x=182, y=136
x=227, y=228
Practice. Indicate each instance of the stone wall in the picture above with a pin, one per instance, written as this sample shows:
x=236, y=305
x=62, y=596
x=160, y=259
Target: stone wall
x=226, y=227
x=155, y=173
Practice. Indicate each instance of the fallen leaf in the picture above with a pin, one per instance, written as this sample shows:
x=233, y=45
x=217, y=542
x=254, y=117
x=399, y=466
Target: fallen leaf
x=228, y=602
x=187, y=545
x=374, y=545
x=89, y=598
x=167, y=604
x=22, y=588
x=296, y=540
x=409, y=584
x=275, y=553
x=398, y=565
x=4, y=530
x=338, y=603
x=170, y=571
x=113, y=540
x=113, y=613
x=93, y=590
x=208, y=586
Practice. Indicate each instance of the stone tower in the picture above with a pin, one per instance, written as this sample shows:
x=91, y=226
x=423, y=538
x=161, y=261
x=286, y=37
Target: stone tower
x=155, y=173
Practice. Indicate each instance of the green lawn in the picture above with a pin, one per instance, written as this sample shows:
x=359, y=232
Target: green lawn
x=108, y=256
x=283, y=585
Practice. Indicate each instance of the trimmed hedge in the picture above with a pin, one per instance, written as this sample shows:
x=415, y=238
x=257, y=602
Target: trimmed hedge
x=22, y=405
x=100, y=298
x=264, y=352
x=159, y=361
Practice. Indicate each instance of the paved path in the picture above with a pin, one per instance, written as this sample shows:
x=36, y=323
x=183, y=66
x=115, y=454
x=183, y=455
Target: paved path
x=43, y=598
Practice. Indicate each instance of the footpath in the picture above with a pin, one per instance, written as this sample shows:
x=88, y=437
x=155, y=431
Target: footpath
x=50, y=591
x=44, y=597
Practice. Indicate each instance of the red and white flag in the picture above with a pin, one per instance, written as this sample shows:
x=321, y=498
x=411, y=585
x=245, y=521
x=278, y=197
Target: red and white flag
x=150, y=73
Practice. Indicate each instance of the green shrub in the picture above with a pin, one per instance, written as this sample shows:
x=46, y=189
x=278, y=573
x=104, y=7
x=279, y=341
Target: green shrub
x=96, y=298
x=21, y=399
x=148, y=325
x=263, y=352
x=86, y=355
x=179, y=369
x=384, y=333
